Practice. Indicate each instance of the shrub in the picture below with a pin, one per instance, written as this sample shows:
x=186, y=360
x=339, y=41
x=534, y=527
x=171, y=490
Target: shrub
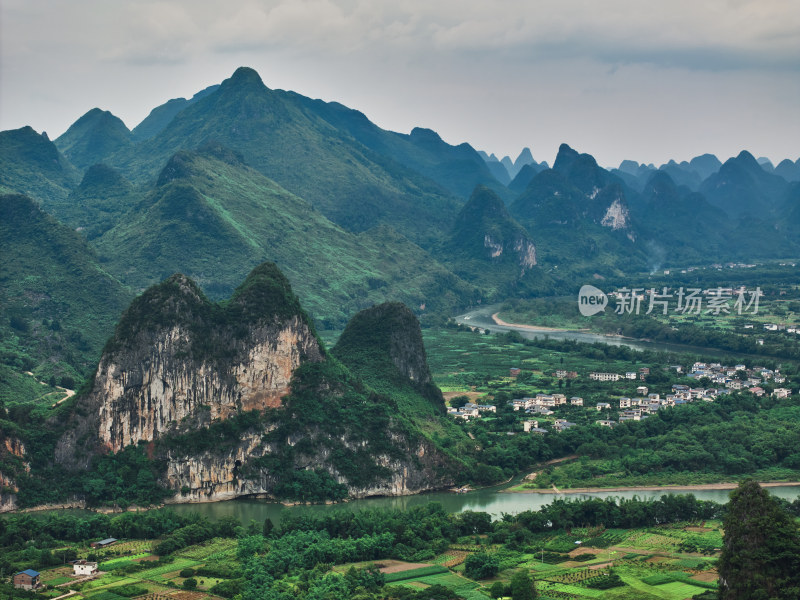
x=605, y=582
x=481, y=566
x=129, y=591
x=228, y=588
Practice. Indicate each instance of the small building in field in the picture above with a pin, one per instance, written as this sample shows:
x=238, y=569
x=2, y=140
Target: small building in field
x=576, y=401
x=104, y=543
x=27, y=580
x=528, y=425
x=514, y=371
x=84, y=567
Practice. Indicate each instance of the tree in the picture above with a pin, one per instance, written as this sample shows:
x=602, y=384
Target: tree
x=761, y=548
x=268, y=527
x=497, y=590
x=481, y=565
x=190, y=584
x=522, y=586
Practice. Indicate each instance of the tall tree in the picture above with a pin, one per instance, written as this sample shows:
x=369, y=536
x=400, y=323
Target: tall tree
x=522, y=586
x=761, y=550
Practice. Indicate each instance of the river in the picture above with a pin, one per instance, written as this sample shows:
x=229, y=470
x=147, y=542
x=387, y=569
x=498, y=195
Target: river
x=482, y=317
x=488, y=500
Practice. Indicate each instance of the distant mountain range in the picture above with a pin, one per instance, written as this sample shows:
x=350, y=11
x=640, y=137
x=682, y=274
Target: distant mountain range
x=355, y=215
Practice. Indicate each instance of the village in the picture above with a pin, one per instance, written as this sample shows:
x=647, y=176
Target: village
x=82, y=570
x=714, y=380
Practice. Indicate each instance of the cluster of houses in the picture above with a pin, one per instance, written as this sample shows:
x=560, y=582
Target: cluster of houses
x=732, y=379
x=471, y=410
x=30, y=579
x=725, y=378
x=778, y=327
x=542, y=403
x=631, y=375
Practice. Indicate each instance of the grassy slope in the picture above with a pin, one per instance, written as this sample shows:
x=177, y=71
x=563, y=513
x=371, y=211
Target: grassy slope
x=219, y=219
x=58, y=304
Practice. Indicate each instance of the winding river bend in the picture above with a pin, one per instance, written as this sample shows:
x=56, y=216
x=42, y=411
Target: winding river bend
x=482, y=317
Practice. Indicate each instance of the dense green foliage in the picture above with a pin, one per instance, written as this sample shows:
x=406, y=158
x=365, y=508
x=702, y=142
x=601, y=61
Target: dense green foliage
x=213, y=218
x=761, y=554
x=32, y=165
x=481, y=566
x=93, y=137
x=488, y=247
x=58, y=303
x=384, y=346
x=291, y=143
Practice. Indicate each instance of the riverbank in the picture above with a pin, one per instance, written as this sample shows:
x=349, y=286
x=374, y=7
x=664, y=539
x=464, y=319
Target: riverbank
x=496, y=318
x=646, y=488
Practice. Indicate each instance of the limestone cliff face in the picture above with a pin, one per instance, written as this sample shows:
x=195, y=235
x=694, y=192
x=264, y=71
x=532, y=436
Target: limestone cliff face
x=213, y=476
x=147, y=392
x=519, y=246
x=12, y=453
x=179, y=362
x=616, y=216
x=236, y=398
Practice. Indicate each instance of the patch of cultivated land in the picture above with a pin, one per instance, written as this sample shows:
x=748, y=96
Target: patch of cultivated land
x=398, y=566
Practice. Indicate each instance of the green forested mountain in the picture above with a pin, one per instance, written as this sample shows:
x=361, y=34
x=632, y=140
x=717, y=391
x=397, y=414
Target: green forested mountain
x=214, y=218
x=742, y=187
x=31, y=164
x=665, y=228
x=383, y=345
x=356, y=215
x=236, y=398
x=456, y=168
x=58, y=303
x=99, y=201
x=161, y=115
x=579, y=215
x=93, y=137
x=487, y=246
x=281, y=138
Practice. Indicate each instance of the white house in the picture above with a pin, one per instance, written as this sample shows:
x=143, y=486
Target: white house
x=604, y=376
x=84, y=567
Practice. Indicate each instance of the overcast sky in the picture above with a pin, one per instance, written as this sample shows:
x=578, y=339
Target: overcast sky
x=647, y=80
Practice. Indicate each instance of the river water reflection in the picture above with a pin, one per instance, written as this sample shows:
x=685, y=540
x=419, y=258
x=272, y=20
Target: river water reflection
x=489, y=500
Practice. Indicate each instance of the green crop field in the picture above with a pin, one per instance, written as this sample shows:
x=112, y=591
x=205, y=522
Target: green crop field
x=157, y=573
x=415, y=573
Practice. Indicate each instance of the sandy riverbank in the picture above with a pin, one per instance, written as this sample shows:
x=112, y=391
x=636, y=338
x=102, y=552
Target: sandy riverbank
x=649, y=488
x=500, y=321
